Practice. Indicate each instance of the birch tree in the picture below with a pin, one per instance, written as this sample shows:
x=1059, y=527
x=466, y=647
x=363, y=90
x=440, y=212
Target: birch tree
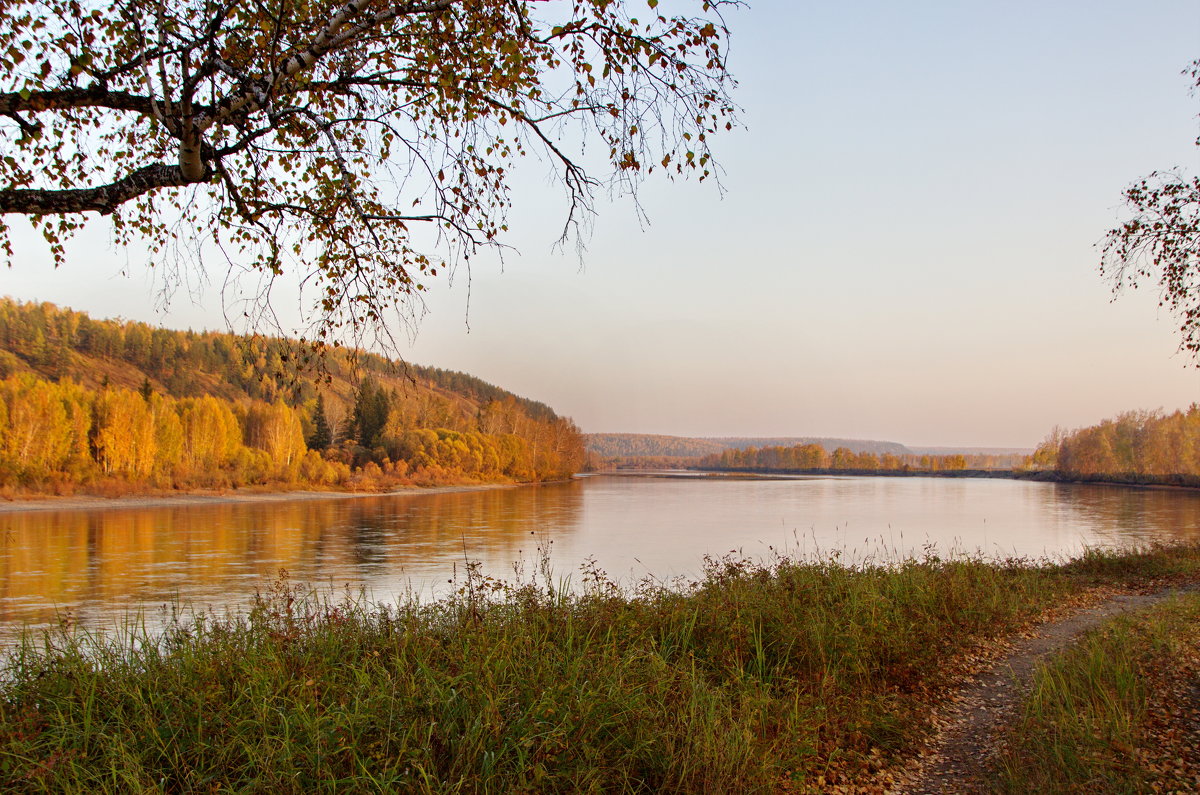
x=317, y=136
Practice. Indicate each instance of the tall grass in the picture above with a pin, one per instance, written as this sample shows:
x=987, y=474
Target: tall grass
x=1086, y=716
x=754, y=674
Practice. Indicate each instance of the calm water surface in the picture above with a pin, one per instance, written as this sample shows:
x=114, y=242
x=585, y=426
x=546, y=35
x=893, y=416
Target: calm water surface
x=97, y=566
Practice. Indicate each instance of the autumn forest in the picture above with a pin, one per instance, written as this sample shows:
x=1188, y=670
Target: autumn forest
x=1134, y=447
x=108, y=406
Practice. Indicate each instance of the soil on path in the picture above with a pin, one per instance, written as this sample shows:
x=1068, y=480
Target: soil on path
x=960, y=756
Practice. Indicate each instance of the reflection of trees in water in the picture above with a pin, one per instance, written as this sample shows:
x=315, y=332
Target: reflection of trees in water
x=495, y=522
x=119, y=557
x=115, y=555
x=1122, y=512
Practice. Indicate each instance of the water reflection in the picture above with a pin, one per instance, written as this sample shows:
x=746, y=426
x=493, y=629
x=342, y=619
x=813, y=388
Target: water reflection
x=1116, y=515
x=100, y=564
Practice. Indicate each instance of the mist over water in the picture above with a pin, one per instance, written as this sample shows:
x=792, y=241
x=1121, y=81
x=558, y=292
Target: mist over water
x=97, y=566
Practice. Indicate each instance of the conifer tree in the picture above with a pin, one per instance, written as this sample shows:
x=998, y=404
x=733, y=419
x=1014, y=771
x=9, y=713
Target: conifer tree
x=371, y=407
x=322, y=435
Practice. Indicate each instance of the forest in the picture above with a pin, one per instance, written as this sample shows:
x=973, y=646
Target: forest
x=1134, y=447
x=108, y=405
x=805, y=457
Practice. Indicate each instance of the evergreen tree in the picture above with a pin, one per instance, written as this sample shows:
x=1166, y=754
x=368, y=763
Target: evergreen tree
x=371, y=407
x=322, y=435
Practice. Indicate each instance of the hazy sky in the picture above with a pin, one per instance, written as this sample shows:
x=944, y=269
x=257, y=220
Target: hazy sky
x=905, y=250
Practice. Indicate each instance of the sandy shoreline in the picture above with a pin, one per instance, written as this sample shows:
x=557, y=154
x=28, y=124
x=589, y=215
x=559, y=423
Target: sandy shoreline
x=85, y=503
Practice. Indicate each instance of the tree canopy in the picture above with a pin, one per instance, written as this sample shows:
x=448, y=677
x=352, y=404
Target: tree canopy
x=1160, y=242
x=318, y=136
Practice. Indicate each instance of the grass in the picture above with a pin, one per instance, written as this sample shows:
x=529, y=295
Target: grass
x=756, y=675
x=1096, y=718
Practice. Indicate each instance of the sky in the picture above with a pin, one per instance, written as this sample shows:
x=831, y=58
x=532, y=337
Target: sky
x=903, y=245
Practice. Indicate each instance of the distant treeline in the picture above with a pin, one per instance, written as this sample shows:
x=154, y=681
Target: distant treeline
x=875, y=446
x=103, y=404
x=1135, y=447
x=596, y=463
x=799, y=458
x=630, y=446
x=648, y=445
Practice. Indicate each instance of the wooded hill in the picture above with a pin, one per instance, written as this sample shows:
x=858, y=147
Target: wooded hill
x=67, y=413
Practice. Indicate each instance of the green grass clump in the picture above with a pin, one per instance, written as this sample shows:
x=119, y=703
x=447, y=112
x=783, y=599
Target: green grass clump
x=753, y=674
x=1086, y=714
x=1158, y=562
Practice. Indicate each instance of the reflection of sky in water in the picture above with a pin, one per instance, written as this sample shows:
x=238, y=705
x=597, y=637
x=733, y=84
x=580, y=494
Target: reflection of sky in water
x=101, y=564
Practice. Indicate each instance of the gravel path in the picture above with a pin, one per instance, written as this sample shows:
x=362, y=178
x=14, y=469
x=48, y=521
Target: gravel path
x=967, y=742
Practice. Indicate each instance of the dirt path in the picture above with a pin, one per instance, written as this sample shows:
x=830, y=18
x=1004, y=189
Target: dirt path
x=968, y=739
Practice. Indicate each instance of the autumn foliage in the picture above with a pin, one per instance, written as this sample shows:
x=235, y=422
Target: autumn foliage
x=64, y=434
x=102, y=403
x=1135, y=447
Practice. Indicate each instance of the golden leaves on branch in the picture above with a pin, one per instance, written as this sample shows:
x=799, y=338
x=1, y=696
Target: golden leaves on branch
x=315, y=123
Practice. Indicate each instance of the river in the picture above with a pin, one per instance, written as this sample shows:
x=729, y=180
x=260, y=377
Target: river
x=96, y=566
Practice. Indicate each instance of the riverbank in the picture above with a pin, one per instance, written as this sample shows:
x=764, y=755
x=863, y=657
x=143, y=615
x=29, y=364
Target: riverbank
x=789, y=675
x=1177, y=482
x=184, y=498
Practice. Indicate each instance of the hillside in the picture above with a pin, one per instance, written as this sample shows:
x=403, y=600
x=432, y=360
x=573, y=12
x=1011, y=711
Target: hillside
x=65, y=374
x=58, y=343
x=641, y=445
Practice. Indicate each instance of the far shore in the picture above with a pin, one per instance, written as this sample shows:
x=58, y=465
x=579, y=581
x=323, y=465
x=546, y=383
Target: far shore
x=1176, y=483
x=188, y=498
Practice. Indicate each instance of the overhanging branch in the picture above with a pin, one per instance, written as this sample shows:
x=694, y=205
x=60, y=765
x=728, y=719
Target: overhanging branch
x=61, y=99
x=103, y=199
